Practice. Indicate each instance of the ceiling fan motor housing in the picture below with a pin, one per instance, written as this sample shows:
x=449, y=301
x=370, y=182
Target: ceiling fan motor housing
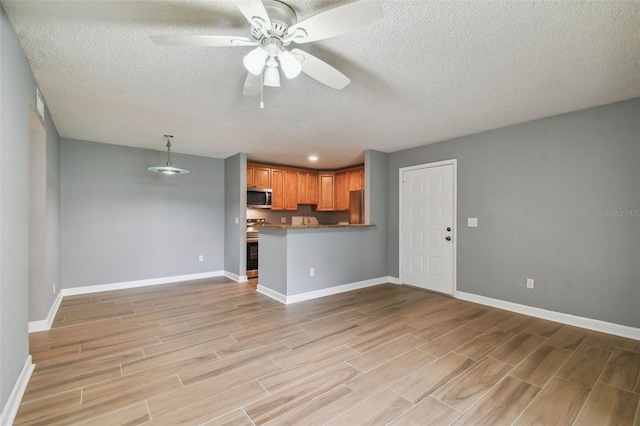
x=281, y=16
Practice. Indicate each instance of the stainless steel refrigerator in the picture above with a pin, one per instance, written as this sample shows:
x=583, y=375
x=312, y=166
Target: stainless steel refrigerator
x=356, y=207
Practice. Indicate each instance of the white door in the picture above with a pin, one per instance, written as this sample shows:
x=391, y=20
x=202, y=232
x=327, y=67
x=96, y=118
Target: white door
x=427, y=220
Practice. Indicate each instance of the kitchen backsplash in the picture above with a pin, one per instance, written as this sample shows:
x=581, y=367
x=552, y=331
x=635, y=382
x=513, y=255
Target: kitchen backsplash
x=273, y=217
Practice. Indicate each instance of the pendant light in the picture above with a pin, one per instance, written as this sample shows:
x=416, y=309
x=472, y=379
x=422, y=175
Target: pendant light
x=168, y=169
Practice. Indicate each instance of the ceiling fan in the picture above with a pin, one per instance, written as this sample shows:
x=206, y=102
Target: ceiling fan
x=274, y=26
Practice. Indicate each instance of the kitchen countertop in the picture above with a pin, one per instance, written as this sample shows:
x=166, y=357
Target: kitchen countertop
x=315, y=226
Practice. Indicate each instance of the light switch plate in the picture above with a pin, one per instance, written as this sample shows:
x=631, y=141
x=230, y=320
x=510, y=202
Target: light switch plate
x=472, y=222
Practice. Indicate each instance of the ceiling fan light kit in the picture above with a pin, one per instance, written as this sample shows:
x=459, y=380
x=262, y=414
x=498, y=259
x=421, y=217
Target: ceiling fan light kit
x=255, y=60
x=271, y=74
x=168, y=168
x=274, y=26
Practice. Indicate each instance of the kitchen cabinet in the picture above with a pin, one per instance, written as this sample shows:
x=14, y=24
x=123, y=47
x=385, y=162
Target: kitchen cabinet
x=312, y=187
x=356, y=179
x=291, y=190
x=285, y=189
x=258, y=176
x=277, y=186
x=326, y=191
x=347, y=180
x=342, y=191
x=307, y=187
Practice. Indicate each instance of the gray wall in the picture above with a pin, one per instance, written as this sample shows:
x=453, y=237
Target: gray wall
x=42, y=297
x=17, y=96
x=338, y=255
x=121, y=222
x=541, y=192
x=377, y=193
x=273, y=261
x=44, y=216
x=235, y=202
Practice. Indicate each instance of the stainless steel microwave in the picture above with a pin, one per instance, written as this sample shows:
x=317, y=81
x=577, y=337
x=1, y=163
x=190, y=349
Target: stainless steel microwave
x=259, y=198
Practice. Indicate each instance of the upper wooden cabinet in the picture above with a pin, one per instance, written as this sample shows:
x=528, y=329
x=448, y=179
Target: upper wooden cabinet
x=348, y=180
x=291, y=190
x=342, y=191
x=307, y=187
x=285, y=189
x=356, y=179
x=258, y=176
x=277, y=185
x=326, y=191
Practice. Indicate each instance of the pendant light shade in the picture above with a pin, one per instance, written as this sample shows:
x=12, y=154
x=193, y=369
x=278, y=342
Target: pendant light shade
x=290, y=65
x=271, y=74
x=254, y=61
x=168, y=169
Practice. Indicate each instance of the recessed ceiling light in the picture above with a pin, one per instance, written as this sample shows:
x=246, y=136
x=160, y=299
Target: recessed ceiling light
x=313, y=158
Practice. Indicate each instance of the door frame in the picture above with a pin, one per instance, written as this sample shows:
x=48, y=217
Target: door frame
x=453, y=162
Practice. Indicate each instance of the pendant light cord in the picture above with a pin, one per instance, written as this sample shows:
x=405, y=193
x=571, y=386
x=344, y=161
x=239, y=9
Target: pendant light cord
x=168, y=150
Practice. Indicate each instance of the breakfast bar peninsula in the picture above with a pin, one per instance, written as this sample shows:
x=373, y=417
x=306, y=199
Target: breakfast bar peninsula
x=302, y=262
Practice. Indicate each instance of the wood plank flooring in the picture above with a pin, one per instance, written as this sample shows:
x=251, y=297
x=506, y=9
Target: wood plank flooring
x=218, y=353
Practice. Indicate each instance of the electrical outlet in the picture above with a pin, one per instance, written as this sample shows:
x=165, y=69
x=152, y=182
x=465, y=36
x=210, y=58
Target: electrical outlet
x=472, y=222
x=201, y=258
x=312, y=272
x=283, y=220
x=54, y=288
x=237, y=220
x=530, y=283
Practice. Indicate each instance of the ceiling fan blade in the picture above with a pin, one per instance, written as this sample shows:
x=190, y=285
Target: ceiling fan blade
x=253, y=9
x=322, y=71
x=203, y=40
x=338, y=21
x=252, y=85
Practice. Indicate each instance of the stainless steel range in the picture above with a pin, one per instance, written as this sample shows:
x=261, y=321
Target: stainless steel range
x=252, y=246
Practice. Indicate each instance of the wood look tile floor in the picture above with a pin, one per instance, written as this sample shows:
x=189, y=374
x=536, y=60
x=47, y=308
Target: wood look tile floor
x=218, y=353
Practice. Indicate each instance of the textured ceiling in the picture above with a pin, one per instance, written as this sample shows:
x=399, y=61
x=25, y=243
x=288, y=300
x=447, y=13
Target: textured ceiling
x=427, y=72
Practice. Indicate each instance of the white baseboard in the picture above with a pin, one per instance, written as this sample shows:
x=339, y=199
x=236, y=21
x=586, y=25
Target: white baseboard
x=10, y=410
x=588, y=323
x=272, y=294
x=236, y=278
x=45, y=324
x=394, y=280
x=323, y=292
x=139, y=283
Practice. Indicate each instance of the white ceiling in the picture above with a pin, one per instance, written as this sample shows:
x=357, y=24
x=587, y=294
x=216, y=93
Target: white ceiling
x=427, y=72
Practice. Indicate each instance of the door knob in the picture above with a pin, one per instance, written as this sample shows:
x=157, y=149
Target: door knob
x=449, y=229
x=448, y=238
